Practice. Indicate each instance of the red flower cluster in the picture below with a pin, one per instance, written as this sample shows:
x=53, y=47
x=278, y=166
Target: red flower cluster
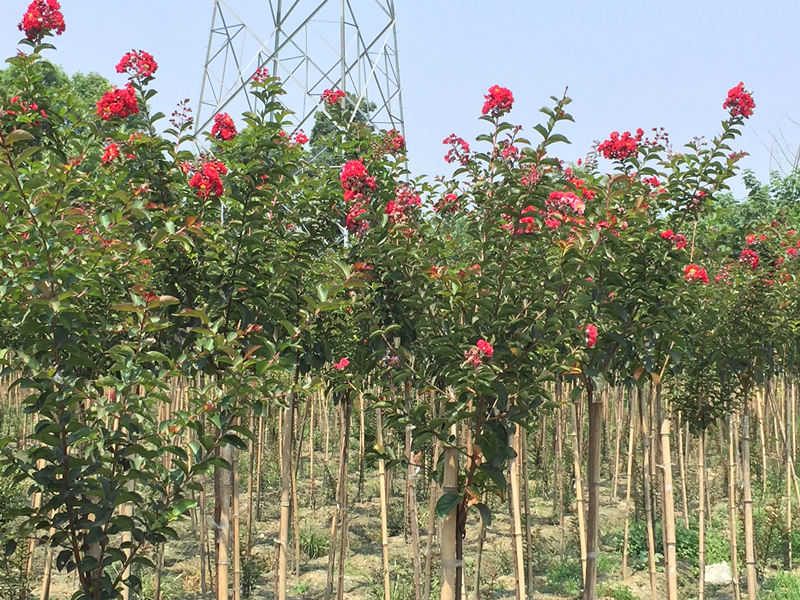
x=24, y=107
x=342, y=364
x=590, y=333
x=138, y=63
x=499, y=101
x=749, y=257
x=676, y=238
x=532, y=178
x=207, y=179
x=118, y=102
x=394, y=142
x=300, y=137
x=695, y=273
x=405, y=199
x=620, y=147
x=739, y=102
x=332, y=96
x=563, y=202
x=261, y=75
x=223, y=127
x=459, y=150
x=41, y=16
x=110, y=153
x=356, y=183
x=448, y=204
x=476, y=354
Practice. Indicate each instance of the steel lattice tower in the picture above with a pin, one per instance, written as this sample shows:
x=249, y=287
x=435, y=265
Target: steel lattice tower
x=312, y=45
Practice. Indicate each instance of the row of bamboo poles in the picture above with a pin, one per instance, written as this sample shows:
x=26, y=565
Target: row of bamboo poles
x=652, y=459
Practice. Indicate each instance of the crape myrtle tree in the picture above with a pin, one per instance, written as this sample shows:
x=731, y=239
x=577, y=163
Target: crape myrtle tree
x=122, y=273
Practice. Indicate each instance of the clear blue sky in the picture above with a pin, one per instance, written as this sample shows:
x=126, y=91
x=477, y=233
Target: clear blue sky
x=627, y=64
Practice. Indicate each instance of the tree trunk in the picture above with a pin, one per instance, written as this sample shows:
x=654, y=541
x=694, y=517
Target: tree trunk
x=749, y=537
x=287, y=435
x=448, y=541
x=682, y=468
x=593, y=520
x=648, y=499
x=701, y=512
x=576, y=464
x=629, y=481
x=732, y=518
x=347, y=407
x=432, y=496
x=516, y=515
x=387, y=586
x=668, y=522
x=222, y=514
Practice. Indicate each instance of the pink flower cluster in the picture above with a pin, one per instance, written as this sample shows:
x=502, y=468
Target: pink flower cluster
x=739, y=102
x=110, y=152
x=41, y=16
x=223, y=128
x=447, y=204
x=620, y=147
x=118, y=102
x=332, y=96
x=749, y=257
x=590, y=334
x=564, y=202
x=261, y=75
x=137, y=63
x=499, y=101
x=405, y=200
x=356, y=183
x=343, y=363
x=482, y=350
x=459, y=150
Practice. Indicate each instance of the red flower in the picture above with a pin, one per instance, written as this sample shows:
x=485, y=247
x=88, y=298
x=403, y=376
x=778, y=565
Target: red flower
x=590, y=334
x=475, y=355
x=300, y=137
x=459, y=150
x=565, y=202
x=498, y=101
x=394, y=142
x=137, y=63
x=448, y=204
x=792, y=252
x=751, y=238
x=261, y=75
x=42, y=16
x=332, y=96
x=749, y=257
x=739, y=102
x=405, y=199
x=118, y=102
x=485, y=347
x=679, y=240
x=110, y=153
x=695, y=273
x=223, y=127
x=667, y=235
x=620, y=147
x=207, y=181
x=342, y=364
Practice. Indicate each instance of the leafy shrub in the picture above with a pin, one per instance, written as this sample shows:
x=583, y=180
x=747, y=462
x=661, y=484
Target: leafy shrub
x=621, y=592
x=784, y=586
x=565, y=578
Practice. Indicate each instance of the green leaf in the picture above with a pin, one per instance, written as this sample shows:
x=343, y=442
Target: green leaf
x=18, y=135
x=446, y=503
x=486, y=514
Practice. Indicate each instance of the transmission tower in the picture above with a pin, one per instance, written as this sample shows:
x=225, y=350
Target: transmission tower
x=312, y=45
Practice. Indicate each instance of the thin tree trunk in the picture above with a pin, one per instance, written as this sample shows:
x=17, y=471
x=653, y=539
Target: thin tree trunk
x=527, y=503
x=287, y=433
x=259, y=463
x=311, y=484
x=426, y=593
x=516, y=516
x=237, y=554
x=576, y=463
x=387, y=586
x=449, y=527
x=732, y=518
x=618, y=434
x=749, y=537
x=668, y=522
x=159, y=571
x=701, y=512
x=411, y=487
x=478, y=555
x=347, y=408
x=251, y=446
x=362, y=450
x=682, y=467
x=629, y=482
x=222, y=512
x=593, y=519
x=648, y=499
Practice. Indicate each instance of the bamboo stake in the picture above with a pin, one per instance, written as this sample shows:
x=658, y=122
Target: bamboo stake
x=426, y=593
x=701, y=511
x=222, y=510
x=668, y=521
x=749, y=537
x=618, y=434
x=732, y=519
x=629, y=482
x=346, y=409
x=593, y=474
x=648, y=500
x=286, y=431
x=527, y=503
x=576, y=464
x=387, y=586
x=682, y=468
x=449, y=525
x=516, y=518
